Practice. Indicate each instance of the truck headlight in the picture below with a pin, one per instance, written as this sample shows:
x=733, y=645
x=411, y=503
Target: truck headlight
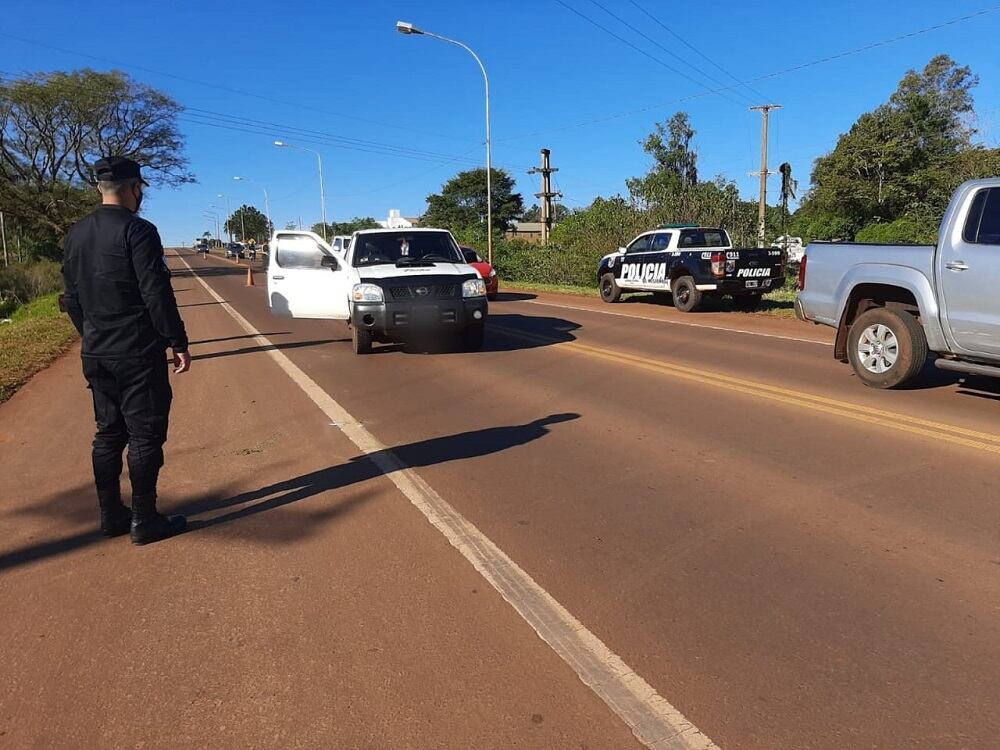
x=474, y=288
x=367, y=293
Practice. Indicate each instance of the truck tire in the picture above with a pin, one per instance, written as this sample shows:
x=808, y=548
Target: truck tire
x=610, y=291
x=886, y=348
x=361, y=339
x=472, y=338
x=687, y=298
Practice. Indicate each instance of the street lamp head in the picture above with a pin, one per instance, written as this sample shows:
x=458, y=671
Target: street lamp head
x=403, y=27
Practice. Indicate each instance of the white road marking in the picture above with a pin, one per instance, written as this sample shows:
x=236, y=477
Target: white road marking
x=652, y=719
x=680, y=323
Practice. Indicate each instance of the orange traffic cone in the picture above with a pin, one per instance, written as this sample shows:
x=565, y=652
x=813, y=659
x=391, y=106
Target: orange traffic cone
x=249, y=276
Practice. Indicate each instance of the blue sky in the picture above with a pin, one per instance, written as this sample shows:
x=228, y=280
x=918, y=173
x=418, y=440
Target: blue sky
x=407, y=112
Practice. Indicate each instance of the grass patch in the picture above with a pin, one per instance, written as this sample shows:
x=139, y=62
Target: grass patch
x=37, y=334
x=527, y=286
x=780, y=303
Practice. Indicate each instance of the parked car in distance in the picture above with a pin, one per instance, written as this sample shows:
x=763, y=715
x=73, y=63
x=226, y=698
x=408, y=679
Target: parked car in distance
x=894, y=304
x=340, y=244
x=793, y=247
x=235, y=250
x=487, y=271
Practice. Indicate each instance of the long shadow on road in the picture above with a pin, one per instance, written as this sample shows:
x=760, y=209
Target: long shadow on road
x=272, y=347
x=79, y=505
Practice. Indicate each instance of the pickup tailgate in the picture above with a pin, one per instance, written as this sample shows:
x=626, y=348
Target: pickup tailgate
x=754, y=267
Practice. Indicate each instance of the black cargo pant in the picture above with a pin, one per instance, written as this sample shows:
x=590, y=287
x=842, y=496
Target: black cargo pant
x=131, y=406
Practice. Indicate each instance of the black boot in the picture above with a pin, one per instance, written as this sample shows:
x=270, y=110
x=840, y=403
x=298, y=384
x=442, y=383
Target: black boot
x=115, y=517
x=148, y=525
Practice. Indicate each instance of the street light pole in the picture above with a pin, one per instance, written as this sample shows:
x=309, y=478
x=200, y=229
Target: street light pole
x=408, y=28
x=267, y=202
x=322, y=190
x=213, y=215
x=229, y=213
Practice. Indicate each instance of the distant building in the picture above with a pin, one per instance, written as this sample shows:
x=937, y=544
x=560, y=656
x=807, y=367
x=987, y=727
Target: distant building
x=396, y=220
x=529, y=231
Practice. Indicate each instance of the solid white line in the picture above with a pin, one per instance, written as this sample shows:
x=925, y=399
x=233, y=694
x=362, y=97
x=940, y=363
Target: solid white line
x=679, y=323
x=653, y=720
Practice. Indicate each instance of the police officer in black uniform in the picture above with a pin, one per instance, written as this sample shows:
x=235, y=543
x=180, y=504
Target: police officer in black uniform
x=119, y=297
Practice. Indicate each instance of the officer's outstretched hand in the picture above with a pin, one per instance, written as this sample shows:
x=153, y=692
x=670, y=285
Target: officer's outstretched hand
x=182, y=362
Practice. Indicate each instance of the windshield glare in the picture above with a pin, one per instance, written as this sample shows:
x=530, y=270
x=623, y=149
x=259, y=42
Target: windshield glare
x=405, y=247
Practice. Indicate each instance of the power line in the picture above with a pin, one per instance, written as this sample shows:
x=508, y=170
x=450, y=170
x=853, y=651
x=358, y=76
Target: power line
x=697, y=51
x=241, y=124
x=764, y=77
x=221, y=87
x=648, y=38
x=640, y=50
x=412, y=177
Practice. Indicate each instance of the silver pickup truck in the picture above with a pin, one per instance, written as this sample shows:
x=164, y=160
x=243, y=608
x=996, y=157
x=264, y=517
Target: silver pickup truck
x=892, y=305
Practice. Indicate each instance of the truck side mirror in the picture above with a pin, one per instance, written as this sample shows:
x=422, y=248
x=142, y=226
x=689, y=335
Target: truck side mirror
x=328, y=261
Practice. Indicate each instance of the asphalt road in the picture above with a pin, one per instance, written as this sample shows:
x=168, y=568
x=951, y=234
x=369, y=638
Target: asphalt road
x=790, y=559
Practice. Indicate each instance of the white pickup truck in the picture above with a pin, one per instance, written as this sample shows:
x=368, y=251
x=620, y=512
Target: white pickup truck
x=894, y=304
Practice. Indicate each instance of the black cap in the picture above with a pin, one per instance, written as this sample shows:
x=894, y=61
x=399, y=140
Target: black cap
x=113, y=168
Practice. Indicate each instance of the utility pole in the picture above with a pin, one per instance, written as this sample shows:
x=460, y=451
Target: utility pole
x=547, y=194
x=765, y=110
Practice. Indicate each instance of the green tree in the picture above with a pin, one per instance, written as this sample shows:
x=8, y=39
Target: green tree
x=250, y=219
x=559, y=212
x=346, y=227
x=675, y=162
x=54, y=126
x=902, y=160
x=461, y=204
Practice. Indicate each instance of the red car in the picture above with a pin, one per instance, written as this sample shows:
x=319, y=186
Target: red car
x=487, y=271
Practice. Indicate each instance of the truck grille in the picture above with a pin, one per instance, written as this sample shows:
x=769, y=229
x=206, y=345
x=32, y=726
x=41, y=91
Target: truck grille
x=434, y=291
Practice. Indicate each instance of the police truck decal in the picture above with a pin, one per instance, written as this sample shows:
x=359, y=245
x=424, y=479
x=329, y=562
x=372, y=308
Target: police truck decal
x=644, y=273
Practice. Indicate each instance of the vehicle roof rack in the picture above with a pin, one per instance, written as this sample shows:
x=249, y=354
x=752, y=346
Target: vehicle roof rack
x=677, y=226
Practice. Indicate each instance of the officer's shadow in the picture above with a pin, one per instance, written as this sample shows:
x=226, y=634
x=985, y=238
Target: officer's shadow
x=204, y=512
x=78, y=506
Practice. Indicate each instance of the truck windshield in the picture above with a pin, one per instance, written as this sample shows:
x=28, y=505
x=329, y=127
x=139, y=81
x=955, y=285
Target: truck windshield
x=405, y=247
x=691, y=238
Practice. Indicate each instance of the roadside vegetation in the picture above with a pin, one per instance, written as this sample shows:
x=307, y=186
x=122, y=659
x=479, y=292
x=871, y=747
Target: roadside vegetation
x=36, y=334
x=888, y=179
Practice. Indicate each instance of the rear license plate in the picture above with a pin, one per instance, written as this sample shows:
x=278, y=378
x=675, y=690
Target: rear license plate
x=752, y=284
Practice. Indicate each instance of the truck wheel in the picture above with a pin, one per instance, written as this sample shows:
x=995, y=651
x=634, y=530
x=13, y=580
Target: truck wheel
x=886, y=348
x=747, y=302
x=472, y=338
x=687, y=298
x=362, y=340
x=610, y=291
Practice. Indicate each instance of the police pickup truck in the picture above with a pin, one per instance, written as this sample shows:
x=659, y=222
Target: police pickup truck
x=390, y=284
x=691, y=263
